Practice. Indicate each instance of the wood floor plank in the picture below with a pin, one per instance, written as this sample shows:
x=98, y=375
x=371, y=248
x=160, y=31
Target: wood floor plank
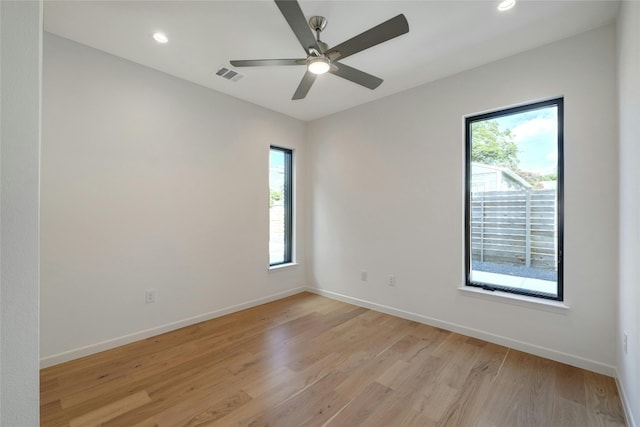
x=420, y=341
x=570, y=383
x=490, y=358
x=203, y=367
x=568, y=412
x=196, y=416
x=149, y=422
x=469, y=403
x=362, y=374
x=412, y=376
x=523, y=393
x=362, y=405
x=393, y=411
x=210, y=387
x=604, y=407
x=434, y=399
x=279, y=393
x=461, y=359
x=269, y=380
x=307, y=360
x=112, y=410
x=313, y=406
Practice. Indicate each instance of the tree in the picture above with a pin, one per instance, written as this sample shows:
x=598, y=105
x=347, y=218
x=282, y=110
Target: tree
x=536, y=179
x=275, y=196
x=532, y=178
x=493, y=146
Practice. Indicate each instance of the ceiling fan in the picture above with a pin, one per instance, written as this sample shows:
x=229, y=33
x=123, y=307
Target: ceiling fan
x=320, y=59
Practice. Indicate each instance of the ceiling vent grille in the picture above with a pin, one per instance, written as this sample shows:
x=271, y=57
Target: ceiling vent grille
x=227, y=73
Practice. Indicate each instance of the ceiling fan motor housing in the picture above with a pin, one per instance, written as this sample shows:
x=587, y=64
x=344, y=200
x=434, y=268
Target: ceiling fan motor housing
x=318, y=23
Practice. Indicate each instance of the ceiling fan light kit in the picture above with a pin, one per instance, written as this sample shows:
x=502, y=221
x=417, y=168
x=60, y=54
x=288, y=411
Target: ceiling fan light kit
x=160, y=37
x=320, y=59
x=318, y=65
x=505, y=5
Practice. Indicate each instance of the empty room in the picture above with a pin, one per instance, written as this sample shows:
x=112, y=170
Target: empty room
x=323, y=213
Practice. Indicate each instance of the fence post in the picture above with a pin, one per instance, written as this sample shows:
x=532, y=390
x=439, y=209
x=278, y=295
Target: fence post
x=527, y=231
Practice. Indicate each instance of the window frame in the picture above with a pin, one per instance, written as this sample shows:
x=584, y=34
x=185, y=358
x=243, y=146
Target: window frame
x=288, y=205
x=469, y=120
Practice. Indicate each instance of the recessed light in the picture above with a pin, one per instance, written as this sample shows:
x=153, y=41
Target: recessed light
x=506, y=5
x=160, y=37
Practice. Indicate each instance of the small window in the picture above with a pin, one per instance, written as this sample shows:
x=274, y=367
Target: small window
x=280, y=206
x=514, y=200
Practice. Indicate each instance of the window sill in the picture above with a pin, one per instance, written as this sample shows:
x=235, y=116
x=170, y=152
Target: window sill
x=282, y=266
x=558, y=307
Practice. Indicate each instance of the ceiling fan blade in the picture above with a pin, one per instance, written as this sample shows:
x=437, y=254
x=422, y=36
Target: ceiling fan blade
x=392, y=28
x=305, y=85
x=298, y=23
x=264, y=62
x=356, y=76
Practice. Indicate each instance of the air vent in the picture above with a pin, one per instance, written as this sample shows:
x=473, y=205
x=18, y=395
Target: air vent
x=229, y=74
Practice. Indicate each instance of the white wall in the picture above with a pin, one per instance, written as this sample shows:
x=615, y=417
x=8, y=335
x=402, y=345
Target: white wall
x=386, y=196
x=152, y=182
x=149, y=181
x=20, y=71
x=629, y=107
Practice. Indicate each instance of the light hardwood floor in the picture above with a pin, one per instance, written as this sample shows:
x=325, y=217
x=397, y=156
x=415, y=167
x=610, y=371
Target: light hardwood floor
x=307, y=360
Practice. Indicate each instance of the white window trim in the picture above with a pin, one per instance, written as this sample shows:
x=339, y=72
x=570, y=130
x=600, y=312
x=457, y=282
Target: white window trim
x=552, y=306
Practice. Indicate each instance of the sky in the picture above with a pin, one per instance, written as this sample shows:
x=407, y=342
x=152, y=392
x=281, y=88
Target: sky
x=536, y=135
x=276, y=170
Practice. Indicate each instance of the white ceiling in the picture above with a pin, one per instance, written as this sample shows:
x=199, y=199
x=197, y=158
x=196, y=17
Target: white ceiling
x=445, y=37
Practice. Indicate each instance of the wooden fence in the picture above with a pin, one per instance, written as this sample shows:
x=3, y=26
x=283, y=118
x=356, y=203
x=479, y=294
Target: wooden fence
x=515, y=228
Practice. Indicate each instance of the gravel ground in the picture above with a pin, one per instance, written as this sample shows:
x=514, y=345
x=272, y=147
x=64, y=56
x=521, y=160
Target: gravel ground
x=515, y=270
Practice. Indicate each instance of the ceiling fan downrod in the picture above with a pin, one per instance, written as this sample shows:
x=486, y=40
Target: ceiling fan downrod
x=317, y=24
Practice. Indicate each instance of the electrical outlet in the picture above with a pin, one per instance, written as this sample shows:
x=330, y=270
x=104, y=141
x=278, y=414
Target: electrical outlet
x=150, y=296
x=392, y=280
x=625, y=342
x=363, y=276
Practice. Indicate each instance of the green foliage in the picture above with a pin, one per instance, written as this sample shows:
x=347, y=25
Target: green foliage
x=535, y=179
x=275, y=196
x=531, y=177
x=492, y=145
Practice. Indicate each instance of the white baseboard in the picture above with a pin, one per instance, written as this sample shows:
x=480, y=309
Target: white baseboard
x=497, y=339
x=136, y=336
x=548, y=353
x=625, y=402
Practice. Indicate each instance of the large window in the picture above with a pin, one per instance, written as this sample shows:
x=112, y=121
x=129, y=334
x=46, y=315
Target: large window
x=514, y=197
x=280, y=206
